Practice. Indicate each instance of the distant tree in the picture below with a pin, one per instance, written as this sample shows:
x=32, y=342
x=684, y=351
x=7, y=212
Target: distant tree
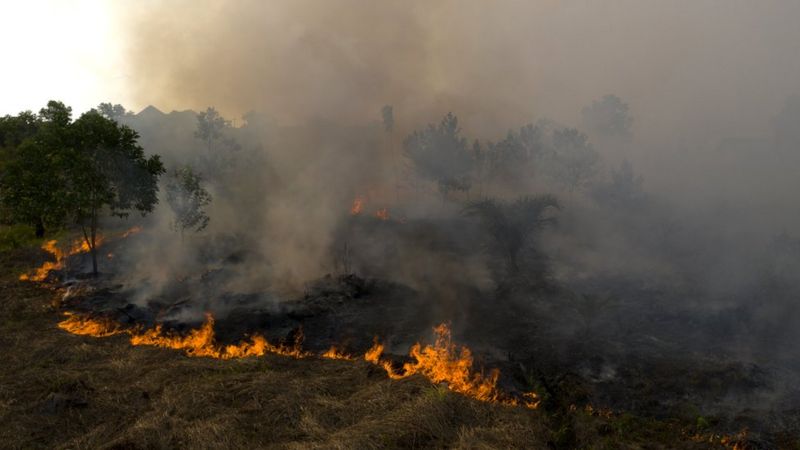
x=387, y=114
x=187, y=197
x=513, y=226
x=439, y=154
x=608, y=117
x=108, y=169
x=212, y=130
x=113, y=112
x=625, y=188
x=33, y=156
x=574, y=161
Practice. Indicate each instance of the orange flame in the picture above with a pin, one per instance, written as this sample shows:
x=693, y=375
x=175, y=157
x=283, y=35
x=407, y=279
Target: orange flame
x=87, y=326
x=132, y=230
x=78, y=246
x=382, y=214
x=198, y=342
x=442, y=363
x=358, y=205
x=41, y=273
x=334, y=353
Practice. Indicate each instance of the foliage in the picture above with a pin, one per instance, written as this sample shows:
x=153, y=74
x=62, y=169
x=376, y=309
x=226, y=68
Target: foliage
x=439, y=154
x=108, y=169
x=34, y=155
x=625, y=188
x=512, y=227
x=113, y=112
x=187, y=198
x=574, y=161
x=212, y=130
x=608, y=117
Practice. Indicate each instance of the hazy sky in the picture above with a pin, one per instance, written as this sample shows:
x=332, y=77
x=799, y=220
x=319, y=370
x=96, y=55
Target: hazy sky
x=66, y=50
x=721, y=66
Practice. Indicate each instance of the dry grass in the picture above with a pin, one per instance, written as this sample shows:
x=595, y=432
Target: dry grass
x=63, y=391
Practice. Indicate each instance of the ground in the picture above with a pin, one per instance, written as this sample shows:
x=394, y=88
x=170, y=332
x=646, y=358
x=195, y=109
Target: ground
x=59, y=390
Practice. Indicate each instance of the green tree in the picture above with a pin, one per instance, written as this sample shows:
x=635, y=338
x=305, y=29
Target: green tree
x=113, y=112
x=107, y=169
x=187, y=198
x=33, y=155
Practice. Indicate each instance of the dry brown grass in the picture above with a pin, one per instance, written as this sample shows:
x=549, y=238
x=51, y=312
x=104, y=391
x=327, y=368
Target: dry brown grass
x=63, y=391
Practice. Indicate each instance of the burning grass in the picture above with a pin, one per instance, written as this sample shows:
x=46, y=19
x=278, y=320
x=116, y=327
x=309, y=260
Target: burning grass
x=57, y=391
x=441, y=362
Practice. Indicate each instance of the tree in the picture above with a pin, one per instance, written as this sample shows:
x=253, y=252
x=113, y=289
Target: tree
x=187, y=198
x=108, y=169
x=34, y=152
x=608, y=117
x=212, y=129
x=512, y=227
x=113, y=112
x=625, y=188
x=574, y=160
x=439, y=154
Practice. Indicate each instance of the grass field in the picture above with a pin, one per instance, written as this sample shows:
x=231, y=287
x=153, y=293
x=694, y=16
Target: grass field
x=64, y=391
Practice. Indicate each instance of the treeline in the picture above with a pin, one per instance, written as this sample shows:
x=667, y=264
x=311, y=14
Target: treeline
x=55, y=170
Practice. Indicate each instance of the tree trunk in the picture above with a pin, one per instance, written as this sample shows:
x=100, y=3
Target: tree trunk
x=39, y=228
x=92, y=245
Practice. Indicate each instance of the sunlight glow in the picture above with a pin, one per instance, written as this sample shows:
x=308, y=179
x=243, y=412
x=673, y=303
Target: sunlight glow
x=62, y=50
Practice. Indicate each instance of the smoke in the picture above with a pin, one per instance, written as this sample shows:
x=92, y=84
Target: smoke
x=687, y=68
x=692, y=257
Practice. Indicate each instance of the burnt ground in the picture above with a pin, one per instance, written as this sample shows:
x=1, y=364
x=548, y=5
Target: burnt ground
x=60, y=390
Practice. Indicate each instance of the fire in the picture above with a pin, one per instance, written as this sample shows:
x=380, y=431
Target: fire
x=87, y=326
x=41, y=273
x=132, y=230
x=382, y=214
x=334, y=353
x=198, y=342
x=443, y=363
x=358, y=205
x=78, y=246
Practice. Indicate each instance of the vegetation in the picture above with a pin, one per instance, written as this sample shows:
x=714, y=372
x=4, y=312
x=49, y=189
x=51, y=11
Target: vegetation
x=513, y=227
x=439, y=154
x=608, y=117
x=57, y=171
x=187, y=197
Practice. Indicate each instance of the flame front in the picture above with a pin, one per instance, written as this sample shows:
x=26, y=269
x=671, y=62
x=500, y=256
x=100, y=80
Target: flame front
x=41, y=273
x=443, y=363
x=198, y=342
x=334, y=353
x=87, y=326
x=51, y=247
